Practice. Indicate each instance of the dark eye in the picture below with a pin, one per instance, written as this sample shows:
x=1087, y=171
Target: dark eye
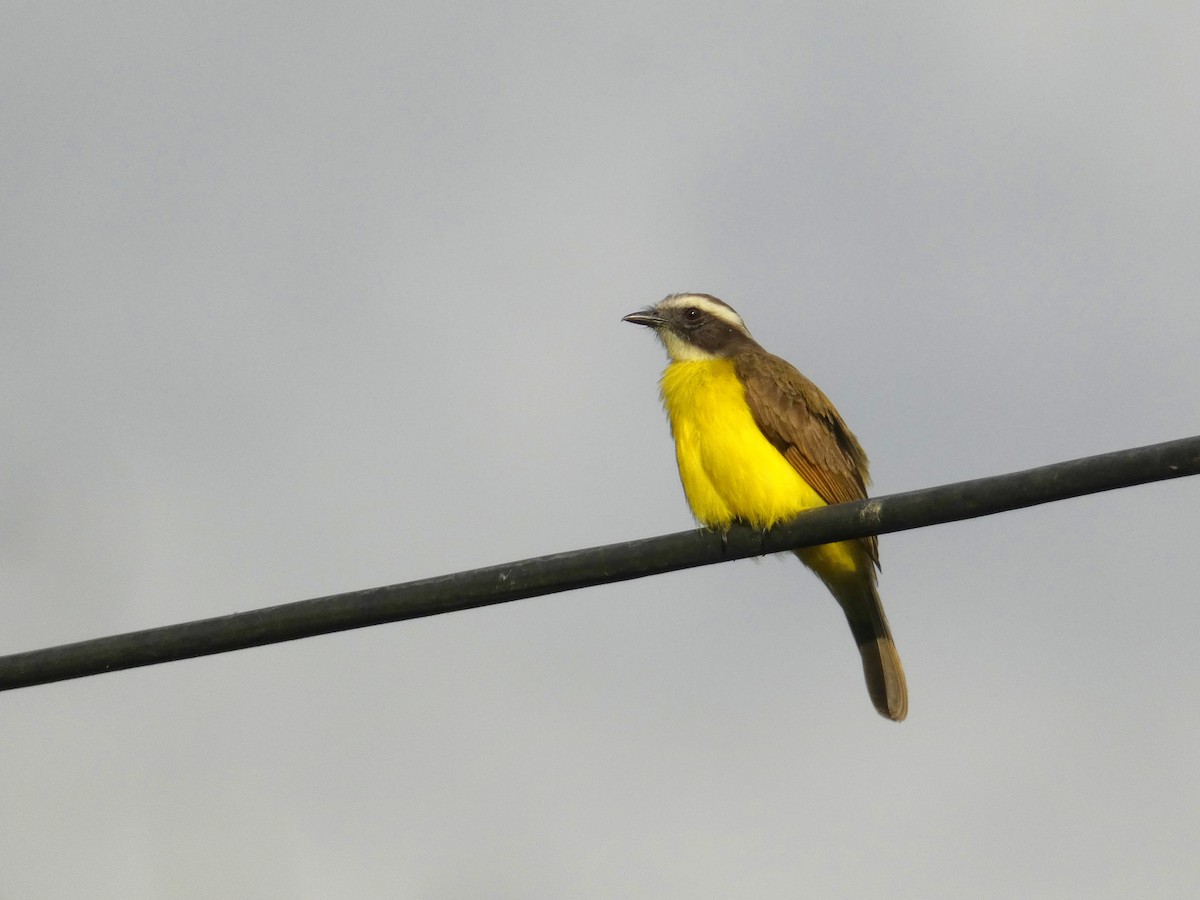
x=692, y=314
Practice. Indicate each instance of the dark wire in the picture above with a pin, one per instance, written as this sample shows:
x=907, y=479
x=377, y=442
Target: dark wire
x=599, y=565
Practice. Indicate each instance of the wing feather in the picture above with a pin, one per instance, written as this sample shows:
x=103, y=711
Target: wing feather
x=796, y=416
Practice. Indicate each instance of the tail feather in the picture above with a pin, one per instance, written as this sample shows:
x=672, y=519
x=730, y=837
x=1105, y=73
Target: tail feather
x=884, y=674
x=859, y=599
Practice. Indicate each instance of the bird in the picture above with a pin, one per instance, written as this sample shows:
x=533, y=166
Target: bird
x=756, y=442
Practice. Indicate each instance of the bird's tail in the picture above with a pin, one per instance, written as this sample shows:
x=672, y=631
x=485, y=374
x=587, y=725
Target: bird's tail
x=859, y=599
x=881, y=661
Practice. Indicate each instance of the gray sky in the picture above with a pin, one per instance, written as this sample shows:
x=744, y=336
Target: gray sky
x=304, y=298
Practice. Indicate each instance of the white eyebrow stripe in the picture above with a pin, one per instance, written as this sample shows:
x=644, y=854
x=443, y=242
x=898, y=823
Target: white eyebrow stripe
x=716, y=310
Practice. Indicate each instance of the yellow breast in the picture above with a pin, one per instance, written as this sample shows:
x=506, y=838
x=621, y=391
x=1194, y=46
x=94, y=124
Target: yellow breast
x=728, y=468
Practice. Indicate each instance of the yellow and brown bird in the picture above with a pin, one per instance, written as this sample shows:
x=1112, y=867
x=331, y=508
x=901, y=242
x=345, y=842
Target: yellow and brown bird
x=757, y=442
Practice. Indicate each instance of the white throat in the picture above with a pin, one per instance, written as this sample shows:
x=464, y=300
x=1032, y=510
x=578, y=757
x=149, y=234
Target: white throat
x=680, y=350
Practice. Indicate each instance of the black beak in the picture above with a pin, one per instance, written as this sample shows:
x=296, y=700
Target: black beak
x=646, y=317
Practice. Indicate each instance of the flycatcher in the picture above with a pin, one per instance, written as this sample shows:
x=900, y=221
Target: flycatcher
x=757, y=442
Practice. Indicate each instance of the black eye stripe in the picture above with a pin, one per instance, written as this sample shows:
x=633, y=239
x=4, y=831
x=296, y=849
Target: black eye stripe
x=695, y=315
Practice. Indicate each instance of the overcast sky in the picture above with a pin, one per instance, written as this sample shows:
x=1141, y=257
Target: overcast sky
x=303, y=298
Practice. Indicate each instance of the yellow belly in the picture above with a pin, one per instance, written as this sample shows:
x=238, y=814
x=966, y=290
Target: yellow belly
x=728, y=468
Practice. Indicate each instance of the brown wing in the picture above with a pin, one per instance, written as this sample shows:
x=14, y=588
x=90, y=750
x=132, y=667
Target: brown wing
x=799, y=420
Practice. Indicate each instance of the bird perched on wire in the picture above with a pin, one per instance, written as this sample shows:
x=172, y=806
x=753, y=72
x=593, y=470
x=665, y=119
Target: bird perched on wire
x=757, y=442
